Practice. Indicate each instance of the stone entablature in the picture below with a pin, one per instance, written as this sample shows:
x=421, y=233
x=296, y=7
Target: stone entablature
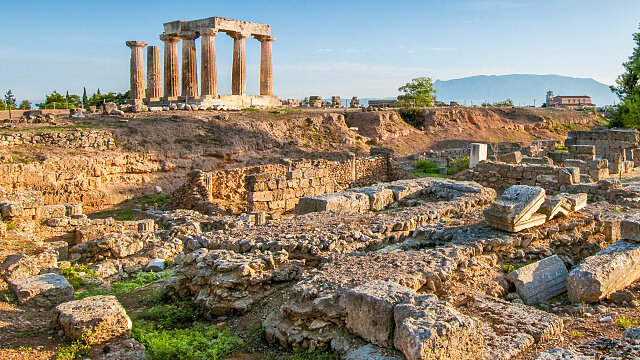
x=218, y=23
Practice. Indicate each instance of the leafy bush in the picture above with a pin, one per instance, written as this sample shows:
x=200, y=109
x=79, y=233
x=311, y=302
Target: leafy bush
x=561, y=148
x=120, y=287
x=198, y=342
x=170, y=316
x=508, y=268
x=458, y=165
x=427, y=168
x=75, y=274
x=411, y=115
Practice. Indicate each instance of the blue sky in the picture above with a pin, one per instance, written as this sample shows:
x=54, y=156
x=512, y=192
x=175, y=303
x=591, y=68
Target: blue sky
x=346, y=48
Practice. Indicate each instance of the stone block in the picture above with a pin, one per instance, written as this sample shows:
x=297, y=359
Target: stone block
x=369, y=310
x=630, y=229
x=602, y=274
x=515, y=210
x=577, y=201
x=61, y=248
x=73, y=209
x=102, y=315
x=52, y=211
x=477, y=154
x=19, y=265
x=295, y=174
x=156, y=265
x=511, y=158
x=11, y=209
x=429, y=329
x=46, y=290
x=146, y=225
x=379, y=197
x=554, y=205
x=540, y=281
x=88, y=233
x=345, y=201
x=612, y=230
x=260, y=217
x=260, y=196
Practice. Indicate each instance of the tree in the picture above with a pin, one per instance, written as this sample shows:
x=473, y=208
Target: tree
x=627, y=82
x=418, y=93
x=9, y=100
x=57, y=101
x=85, y=100
x=25, y=105
x=628, y=90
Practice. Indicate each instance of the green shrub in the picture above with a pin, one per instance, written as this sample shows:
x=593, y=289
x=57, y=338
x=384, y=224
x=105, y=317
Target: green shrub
x=198, y=342
x=75, y=274
x=141, y=279
x=508, y=268
x=561, y=148
x=427, y=166
x=458, y=165
x=411, y=115
x=170, y=316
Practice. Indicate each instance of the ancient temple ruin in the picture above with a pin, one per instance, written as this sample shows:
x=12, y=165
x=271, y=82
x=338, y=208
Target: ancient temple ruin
x=184, y=87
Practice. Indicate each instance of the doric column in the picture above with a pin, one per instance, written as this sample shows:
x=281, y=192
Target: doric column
x=154, y=77
x=189, y=65
x=137, y=70
x=208, y=75
x=171, y=67
x=266, y=64
x=239, y=71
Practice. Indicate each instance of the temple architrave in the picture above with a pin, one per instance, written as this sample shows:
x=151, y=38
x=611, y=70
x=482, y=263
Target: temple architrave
x=183, y=86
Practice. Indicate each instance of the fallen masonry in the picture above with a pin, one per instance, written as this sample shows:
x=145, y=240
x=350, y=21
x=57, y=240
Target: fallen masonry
x=602, y=274
x=46, y=290
x=516, y=209
x=540, y=281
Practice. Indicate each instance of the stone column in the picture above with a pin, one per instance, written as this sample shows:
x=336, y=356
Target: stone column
x=171, y=67
x=154, y=74
x=266, y=64
x=137, y=70
x=208, y=77
x=239, y=71
x=189, y=65
x=478, y=153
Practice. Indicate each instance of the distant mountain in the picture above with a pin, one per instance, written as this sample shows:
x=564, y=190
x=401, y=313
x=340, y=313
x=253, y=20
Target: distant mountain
x=520, y=88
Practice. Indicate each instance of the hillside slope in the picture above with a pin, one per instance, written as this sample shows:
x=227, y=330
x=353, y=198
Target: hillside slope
x=521, y=88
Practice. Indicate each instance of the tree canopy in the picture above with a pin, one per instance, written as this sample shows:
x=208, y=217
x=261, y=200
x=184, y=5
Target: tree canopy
x=418, y=93
x=25, y=105
x=628, y=90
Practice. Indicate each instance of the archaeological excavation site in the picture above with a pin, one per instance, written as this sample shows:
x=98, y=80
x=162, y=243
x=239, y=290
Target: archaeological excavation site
x=187, y=224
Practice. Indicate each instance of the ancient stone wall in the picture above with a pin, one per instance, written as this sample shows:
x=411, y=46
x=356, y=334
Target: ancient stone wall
x=607, y=142
x=270, y=193
x=101, y=140
x=231, y=190
x=500, y=176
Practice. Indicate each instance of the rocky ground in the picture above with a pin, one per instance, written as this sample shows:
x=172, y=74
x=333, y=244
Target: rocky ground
x=293, y=282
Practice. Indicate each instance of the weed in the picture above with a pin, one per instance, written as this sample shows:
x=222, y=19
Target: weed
x=561, y=148
x=79, y=348
x=75, y=275
x=195, y=343
x=458, y=165
x=11, y=226
x=251, y=109
x=508, y=268
x=169, y=316
x=141, y=279
x=302, y=354
x=576, y=333
x=625, y=323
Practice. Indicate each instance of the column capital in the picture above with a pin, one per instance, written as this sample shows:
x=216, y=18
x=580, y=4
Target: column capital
x=140, y=44
x=238, y=35
x=208, y=32
x=188, y=35
x=265, y=38
x=169, y=38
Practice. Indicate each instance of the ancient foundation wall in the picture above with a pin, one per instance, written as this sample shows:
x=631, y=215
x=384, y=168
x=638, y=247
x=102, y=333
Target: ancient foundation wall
x=500, y=176
x=16, y=114
x=101, y=140
x=607, y=142
x=277, y=187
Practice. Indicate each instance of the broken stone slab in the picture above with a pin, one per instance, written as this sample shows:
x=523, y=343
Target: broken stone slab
x=11, y=209
x=534, y=220
x=515, y=210
x=540, y=281
x=430, y=329
x=369, y=310
x=46, y=290
x=379, y=196
x=630, y=229
x=102, y=315
x=17, y=266
x=344, y=201
x=156, y=265
x=555, y=205
x=598, y=276
x=578, y=201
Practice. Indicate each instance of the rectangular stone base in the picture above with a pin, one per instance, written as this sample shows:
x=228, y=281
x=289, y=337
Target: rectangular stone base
x=503, y=224
x=230, y=101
